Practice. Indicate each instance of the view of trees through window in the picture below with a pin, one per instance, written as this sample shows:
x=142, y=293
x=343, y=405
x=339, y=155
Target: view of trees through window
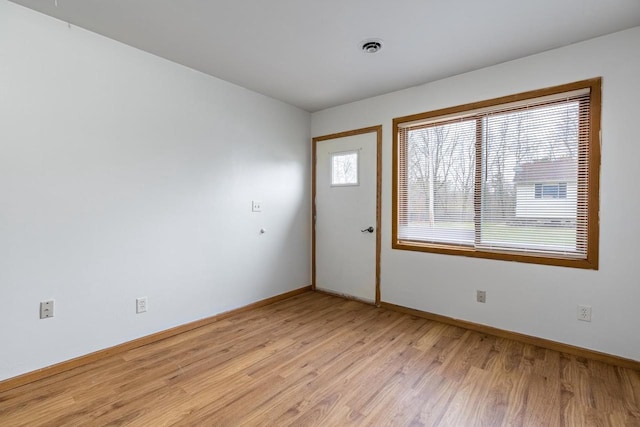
x=440, y=181
x=344, y=168
x=517, y=151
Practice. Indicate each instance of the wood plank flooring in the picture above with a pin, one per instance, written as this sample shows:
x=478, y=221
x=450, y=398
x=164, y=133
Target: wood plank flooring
x=319, y=360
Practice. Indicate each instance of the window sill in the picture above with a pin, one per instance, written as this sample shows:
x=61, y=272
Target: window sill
x=497, y=255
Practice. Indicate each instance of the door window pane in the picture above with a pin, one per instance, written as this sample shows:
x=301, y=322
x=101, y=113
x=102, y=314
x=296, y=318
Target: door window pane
x=344, y=168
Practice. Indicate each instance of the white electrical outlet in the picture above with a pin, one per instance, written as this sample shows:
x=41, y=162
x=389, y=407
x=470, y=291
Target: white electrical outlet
x=141, y=304
x=46, y=309
x=481, y=296
x=584, y=313
x=256, y=206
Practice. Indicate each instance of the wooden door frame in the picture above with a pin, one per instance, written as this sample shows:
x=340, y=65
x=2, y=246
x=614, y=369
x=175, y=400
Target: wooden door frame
x=314, y=142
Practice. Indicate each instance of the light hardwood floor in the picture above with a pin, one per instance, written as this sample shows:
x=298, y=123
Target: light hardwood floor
x=320, y=360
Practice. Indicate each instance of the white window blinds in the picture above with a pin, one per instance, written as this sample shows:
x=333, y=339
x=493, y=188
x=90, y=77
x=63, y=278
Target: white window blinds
x=510, y=177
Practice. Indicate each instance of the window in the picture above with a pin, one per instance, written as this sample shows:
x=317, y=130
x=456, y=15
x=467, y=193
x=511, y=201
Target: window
x=551, y=191
x=344, y=168
x=514, y=178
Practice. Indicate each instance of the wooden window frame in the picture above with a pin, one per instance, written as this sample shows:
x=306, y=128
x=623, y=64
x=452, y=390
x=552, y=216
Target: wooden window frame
x=593, y=179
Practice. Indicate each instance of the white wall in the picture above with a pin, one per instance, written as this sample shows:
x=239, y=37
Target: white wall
x=531, y=299
x=124, y=175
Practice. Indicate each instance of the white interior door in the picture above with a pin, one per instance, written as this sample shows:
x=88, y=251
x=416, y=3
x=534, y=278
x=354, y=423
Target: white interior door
x=346, y=215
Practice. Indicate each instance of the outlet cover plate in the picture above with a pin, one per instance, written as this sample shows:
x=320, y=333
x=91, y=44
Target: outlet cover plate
x=481, y=296
x=256, y=206
x=584, y=313
x=141, y=305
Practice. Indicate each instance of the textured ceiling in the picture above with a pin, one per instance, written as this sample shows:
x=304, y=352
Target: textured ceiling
x=306, y=53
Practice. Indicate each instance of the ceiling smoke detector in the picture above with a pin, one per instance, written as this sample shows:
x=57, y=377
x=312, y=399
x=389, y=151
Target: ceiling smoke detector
x=371, y=45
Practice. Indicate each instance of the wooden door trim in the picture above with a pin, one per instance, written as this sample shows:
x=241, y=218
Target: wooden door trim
x=314, y=143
